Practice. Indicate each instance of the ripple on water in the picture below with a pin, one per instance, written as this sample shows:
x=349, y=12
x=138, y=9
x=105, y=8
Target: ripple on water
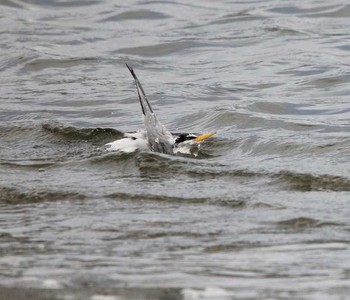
x=162, y=49
x=38, y=64
x=141, y=14
x=310, y=182
x=304, y=222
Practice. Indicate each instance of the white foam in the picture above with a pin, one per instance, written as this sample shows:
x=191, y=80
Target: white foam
x=51, y=284
x=207, y=293
x=105, y=297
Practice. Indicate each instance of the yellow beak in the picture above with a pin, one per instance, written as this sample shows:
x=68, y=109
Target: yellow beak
x=203, y=137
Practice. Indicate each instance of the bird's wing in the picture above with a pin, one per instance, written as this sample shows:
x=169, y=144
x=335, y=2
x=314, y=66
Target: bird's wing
x=159, y=138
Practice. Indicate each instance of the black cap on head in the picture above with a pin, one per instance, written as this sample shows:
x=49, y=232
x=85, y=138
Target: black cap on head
x=184, y=137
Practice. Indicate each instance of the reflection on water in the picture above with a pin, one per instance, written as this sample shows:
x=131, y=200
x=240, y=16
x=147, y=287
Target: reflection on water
x=261, y=213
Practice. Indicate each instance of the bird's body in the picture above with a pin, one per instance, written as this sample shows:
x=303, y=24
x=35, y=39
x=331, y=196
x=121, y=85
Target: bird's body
x=131, y=142
x=156, y=137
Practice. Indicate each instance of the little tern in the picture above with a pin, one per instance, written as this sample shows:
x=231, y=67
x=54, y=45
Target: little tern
x=156, y=137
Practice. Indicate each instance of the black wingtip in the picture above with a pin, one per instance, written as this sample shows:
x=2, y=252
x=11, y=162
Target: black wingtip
x=131, y=70
x=138, y=85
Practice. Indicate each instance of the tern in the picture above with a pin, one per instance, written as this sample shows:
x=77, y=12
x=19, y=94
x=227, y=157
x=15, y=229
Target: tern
x=155, y=137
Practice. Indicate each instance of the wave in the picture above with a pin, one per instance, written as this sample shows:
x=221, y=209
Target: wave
x=49, y=144
x=86, y=134
x=27, y=164
x=57, y=130
x=11, y=195
x=152, y=163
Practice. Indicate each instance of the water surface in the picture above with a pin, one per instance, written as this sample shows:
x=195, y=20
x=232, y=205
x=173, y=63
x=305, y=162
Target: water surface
x=261, y=213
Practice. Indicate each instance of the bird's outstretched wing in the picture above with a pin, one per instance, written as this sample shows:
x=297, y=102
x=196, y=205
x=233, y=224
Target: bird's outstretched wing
x=159, y=138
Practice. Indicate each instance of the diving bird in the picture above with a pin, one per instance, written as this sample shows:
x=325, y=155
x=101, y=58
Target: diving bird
x=156, y=137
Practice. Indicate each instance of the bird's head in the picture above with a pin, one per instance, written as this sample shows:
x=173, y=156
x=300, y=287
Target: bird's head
x=191, y=139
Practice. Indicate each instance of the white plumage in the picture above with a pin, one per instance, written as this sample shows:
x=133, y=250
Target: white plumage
x=131, y=142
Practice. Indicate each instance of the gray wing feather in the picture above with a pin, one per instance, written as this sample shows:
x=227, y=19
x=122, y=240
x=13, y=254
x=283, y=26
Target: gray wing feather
x=159, y=138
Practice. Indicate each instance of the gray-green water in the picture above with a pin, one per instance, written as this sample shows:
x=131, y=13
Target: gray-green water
x=262, y=213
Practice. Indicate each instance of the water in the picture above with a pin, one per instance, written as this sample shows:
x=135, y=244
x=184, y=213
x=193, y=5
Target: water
x=261, y=213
